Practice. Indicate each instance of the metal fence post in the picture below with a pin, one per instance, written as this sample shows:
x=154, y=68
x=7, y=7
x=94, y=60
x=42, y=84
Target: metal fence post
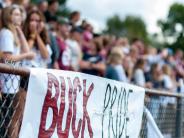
x=179, y=118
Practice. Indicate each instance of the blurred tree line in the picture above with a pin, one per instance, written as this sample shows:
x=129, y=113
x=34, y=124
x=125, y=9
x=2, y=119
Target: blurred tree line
x=131, y=27
x=172, y=28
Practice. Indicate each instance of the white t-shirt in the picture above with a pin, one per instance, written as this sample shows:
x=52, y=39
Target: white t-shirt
x=139, y=77
x=39, y=61
x=168, y=84
x=7, y=42
x=9, y=83
x=76, y=53
x=66, y=57
x=121, y=73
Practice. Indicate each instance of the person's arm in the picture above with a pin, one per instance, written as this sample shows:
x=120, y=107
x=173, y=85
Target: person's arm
x=99, y=66
x=56, y=65
x=42, y=47
x=23, y=41
x=139, y=78
x=11, y=57
x=7, y=48
x=84, y=64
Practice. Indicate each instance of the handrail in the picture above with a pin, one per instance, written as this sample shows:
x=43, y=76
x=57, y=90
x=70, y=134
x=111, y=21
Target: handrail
x=25, y=72
x=163, y=93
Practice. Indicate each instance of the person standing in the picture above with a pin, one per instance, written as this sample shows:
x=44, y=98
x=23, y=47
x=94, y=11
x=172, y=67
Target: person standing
x=74, y=43
x=115, y=68
x=14, y=48
x=38, y=39
x=65, y=55
x=13, y=44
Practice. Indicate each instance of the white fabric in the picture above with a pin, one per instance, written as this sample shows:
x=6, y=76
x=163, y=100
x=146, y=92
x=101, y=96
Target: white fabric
x=76, y=53
x=181, y=83
x=66, y=57
x=9, y=83
x=111, y=106
x=4, y=4
x=39, y=61
x=139, y=77
x=154, y=59
x=126, y=49
x=168, y=84
x=7, y=42
x=121, y=73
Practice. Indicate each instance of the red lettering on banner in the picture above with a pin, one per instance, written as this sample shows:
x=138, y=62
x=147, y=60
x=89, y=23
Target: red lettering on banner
x=65, y=133
x=58, y=114
x=75, y=132
x=49, y=102
x=85, y=113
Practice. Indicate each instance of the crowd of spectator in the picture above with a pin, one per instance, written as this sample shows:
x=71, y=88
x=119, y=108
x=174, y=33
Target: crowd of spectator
x=35, y=36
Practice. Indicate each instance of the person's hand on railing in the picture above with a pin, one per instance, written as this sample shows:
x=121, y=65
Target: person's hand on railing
x=147, y=99
x=30, y=55
x=148, y=85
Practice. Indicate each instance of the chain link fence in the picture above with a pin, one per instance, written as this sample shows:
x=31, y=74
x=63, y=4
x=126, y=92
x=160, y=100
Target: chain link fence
x=12, y=99
x=166, y=108
x=167, y=112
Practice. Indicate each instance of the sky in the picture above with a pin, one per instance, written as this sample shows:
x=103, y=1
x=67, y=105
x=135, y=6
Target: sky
x=98, y=11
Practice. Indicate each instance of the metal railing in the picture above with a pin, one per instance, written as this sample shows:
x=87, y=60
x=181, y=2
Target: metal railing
x=13, y=84
x=168, y=112
x=166, y=107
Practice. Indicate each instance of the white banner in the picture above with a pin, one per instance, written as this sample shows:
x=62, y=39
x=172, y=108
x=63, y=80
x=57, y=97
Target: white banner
x=62, y=104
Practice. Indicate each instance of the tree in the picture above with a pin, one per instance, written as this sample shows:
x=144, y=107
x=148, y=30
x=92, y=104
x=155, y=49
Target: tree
x=173, y=27
x=131, y=27
x=63, y=9
x=62, y=2
x=135, y=27
x=115, y=26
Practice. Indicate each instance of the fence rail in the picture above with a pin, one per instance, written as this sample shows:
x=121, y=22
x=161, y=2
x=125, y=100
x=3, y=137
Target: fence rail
x=166, y=107
x=23, y=72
